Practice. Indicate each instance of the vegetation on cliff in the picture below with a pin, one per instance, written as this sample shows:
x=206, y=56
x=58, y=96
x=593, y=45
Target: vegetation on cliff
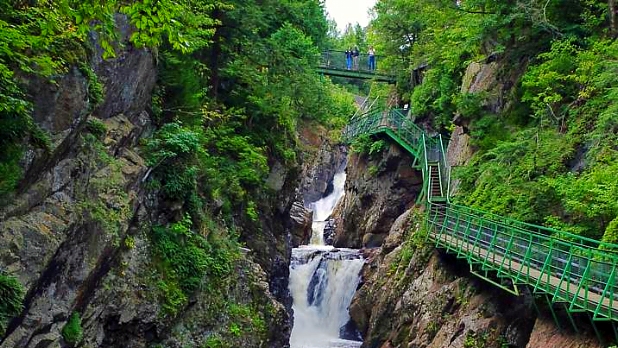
x=11, y=296
x=547, y=139
x=234, y=80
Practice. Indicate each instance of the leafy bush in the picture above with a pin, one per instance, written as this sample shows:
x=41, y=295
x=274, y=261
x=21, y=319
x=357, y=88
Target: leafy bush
x=187, y=259
x=96, y=127
x=551, y=85
x=72, y=331
x=368, y=145
x=11, y=297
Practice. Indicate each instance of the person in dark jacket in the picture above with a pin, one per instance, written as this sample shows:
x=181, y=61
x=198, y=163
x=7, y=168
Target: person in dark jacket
x=355, y=57
x=348, y=58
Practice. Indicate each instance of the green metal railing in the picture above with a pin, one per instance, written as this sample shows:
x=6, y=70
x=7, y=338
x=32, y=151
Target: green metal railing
x=334, y=63
x=578, y=272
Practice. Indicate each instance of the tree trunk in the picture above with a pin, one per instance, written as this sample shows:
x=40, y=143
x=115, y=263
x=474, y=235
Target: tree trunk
x=215, y=51
x=613, y=22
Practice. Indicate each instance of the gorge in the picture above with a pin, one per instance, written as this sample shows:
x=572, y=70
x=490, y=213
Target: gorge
x=174, y=174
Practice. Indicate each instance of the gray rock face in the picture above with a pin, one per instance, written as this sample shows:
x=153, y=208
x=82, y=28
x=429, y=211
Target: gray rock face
x=377, y=192
x=60, y=107
x=76, y=233
x=301, y=224
x=61, y=249
x=416, y=296
x=319, y=171
x=128, y=78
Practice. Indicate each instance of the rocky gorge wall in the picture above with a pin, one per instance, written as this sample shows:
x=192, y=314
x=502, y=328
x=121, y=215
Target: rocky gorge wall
x=322, y=158
x=76, y=234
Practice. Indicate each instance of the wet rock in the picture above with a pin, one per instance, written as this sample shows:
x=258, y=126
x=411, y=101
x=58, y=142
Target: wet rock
x=397, y=232
x=373, y=200
x=301, y=219
x=459, y=152
x=371, y=240
x=321, y=161
x=276, y=177
x=350, y=332
x=329, y=231
x=60, y=107
x=128, y=78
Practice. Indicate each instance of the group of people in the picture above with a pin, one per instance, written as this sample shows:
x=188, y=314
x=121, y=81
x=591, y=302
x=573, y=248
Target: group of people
x=352, y=58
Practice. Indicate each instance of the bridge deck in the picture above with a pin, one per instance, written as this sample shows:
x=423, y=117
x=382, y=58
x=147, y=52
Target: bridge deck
x=334, y=63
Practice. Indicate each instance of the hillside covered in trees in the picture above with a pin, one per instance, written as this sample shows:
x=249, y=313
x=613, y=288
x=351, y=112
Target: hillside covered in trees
x=544, y=129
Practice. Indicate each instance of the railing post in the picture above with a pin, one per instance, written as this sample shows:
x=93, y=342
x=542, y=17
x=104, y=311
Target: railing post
x=547, y=261
x=610, y=283
x=583, y=283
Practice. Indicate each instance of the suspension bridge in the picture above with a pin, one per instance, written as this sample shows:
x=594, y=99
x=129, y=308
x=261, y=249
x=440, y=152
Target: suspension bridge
x=567, y=270
x=333, y=63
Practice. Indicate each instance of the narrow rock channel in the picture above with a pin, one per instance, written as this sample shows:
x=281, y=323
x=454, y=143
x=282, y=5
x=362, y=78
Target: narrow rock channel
x=323, y=280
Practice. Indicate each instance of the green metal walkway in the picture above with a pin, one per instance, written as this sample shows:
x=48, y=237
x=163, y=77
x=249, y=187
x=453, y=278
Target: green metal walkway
x=333, y=63
x=578, y=273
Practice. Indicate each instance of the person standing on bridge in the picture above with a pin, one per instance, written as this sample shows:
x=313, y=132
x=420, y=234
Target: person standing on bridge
x=355, y=58
x=372, y=58
x=348, y=58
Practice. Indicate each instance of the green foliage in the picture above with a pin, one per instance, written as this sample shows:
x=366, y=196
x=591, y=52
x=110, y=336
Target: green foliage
x=11, y=298
x=95, y=88
x=104, y=200
x=588, y=201
x=188, y=260
x=549, y=86
x=470, y=105
x=373, y=170
x=367, y=145
x=96, y=127
x=487, y=131
x=186, y=26
x=475, y=340
x=559, y=170
x=155, y=20
x=72, y=331
x=507, y=179
x=235, y=329
x=214, y=342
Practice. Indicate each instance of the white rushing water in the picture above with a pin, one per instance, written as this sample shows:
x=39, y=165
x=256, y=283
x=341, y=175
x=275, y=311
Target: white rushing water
x=322, y=282
x=324, y=207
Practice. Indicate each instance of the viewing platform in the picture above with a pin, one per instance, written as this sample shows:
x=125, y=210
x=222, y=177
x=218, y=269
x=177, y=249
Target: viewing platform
x=333, y=63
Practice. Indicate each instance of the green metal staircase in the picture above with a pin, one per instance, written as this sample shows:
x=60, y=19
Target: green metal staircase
x=578, y=273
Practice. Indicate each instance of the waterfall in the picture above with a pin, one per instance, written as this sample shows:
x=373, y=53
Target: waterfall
x=322, y=282
x=324, y=207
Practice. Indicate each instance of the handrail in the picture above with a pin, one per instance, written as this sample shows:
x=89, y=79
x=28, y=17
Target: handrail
x=568, y=267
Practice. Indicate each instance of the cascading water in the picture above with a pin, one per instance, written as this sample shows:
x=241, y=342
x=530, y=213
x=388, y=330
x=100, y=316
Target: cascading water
x=322, y=282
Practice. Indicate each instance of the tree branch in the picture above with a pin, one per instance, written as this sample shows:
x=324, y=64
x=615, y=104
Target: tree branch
x=470, y=11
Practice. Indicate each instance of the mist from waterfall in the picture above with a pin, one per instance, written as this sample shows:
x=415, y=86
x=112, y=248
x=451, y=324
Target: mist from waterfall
x=322, y=283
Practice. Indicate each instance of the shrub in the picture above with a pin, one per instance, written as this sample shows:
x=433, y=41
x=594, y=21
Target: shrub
x=11, y=297
x=186, y=259
x=72, y=330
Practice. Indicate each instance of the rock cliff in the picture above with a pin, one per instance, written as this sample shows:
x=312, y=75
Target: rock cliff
x=378, y=190
x=77, y=233
x=322, y=158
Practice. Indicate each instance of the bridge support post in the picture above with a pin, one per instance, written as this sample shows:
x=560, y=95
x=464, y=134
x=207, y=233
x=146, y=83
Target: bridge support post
x=596, y=329
x=553, y=312
x=566, y=308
